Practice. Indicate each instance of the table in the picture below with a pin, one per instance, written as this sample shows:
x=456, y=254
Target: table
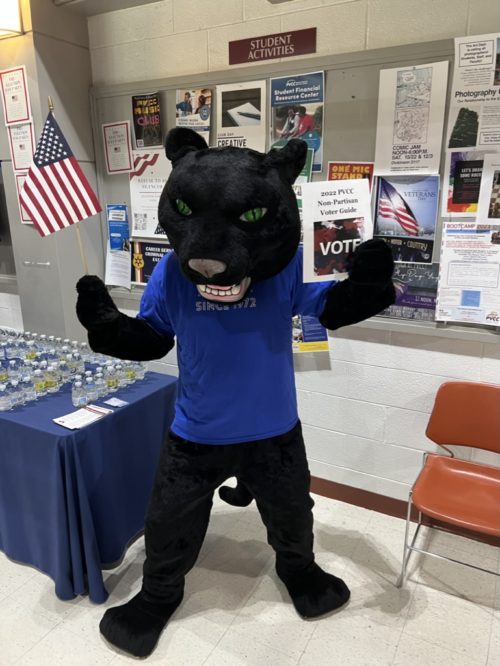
x=72, y=500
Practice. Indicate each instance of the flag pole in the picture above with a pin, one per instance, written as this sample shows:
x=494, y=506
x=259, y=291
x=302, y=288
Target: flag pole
x=77, y=228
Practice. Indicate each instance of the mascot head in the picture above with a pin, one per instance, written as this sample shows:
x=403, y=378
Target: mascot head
x=230, y=213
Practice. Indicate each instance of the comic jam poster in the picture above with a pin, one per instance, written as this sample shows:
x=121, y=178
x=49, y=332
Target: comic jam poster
x=147, y=120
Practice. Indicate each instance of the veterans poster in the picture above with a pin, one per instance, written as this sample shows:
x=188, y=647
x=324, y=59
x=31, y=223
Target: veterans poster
x=241, y=115
x=147, y=120
x=151, y=170
x=297, y=112
x=462, y=182
x=405, y=216
x=410, y=119
x=336, y=219
x=193, y=109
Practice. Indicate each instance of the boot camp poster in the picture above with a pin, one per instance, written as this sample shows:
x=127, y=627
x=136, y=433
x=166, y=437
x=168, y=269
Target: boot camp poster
x=241, y=115
x=297, y=112
x=147, y=120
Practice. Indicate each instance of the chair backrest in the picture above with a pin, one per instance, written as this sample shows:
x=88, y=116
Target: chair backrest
x=467, y=414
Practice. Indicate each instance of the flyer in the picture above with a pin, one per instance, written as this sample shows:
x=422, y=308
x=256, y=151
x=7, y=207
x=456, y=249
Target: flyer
x=411, y=106
x=147, y=120
x=145, y=256
x=117, y=150
x=336, y=219
x=118, y=230
x=489, y=194
x=149, y=175
x=350, y=171
x=297, y=111
x=405, y=216
x=15, y=97
x=308, y=335
x=193, y=109
x=462, y=182
x=416, y=289
x=22, y=145
x=474, y=117
x=117, y=267
x=241, y=115
x=20, y=178
x=469, y=276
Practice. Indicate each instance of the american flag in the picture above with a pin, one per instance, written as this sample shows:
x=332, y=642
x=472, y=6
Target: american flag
x=56, y=193
x=392, y=206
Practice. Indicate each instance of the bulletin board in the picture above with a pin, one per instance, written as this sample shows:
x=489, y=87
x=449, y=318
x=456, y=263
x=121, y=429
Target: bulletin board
x=350, y=119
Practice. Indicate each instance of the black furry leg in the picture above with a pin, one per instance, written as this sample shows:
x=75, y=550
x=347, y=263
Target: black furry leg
x=313, y=591
x=239, y=496
x=136, y=626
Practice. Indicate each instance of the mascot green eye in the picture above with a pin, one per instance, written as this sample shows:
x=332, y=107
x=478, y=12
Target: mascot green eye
x=182, y=207
x=253, y=215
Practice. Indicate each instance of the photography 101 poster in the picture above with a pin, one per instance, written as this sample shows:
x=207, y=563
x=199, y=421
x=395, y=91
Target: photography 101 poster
x=193, y=109
x=147, y=120
x=405, y=216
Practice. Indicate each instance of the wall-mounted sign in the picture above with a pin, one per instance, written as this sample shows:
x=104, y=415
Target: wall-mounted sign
x=269, y=47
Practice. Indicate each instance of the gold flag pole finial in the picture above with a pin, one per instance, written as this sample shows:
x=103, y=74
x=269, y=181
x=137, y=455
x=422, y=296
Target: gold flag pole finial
x=51, y=104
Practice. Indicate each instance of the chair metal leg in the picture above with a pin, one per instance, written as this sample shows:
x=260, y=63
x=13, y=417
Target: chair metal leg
x=408, y=548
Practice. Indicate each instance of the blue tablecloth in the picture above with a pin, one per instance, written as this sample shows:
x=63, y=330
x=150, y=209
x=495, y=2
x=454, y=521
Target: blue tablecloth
x=71, y=500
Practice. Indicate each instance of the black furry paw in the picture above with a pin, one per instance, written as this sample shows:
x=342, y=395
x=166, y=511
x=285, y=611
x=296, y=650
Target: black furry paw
x=239, y=496
x=315, y=592
x=94, y=305
x=136, y=626
x=371, y=263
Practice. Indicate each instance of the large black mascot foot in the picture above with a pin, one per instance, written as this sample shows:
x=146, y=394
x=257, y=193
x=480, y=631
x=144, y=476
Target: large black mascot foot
x=315, y=592
x=239, y=496
x=136, y=626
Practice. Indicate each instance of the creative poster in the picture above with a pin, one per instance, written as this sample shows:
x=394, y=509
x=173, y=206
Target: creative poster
x=241, y=115
x=405, y=216
x=15, y=97
x=22, y=145
x=489, y=194
x=474, y=118
x=469, y=276
x=117, y=150
x=117, y=267
x=145, y=256
x=351, y=171
x=416, y=289
x=20, y=178
x=336, y=219
x=308, y=335
x=147, y=120
x=150, y=172
x=463, y=172
x=193, y=109
x=118, y=230
x=410, y=118
x=297, y=111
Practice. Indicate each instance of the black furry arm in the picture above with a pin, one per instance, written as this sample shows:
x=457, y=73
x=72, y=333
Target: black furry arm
x=113, y=333
x=367, y=291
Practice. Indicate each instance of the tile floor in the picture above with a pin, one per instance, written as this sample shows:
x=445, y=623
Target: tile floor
x=236, y=611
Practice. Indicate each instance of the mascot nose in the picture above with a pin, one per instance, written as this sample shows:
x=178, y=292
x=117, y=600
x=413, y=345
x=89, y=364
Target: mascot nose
x=207, y=267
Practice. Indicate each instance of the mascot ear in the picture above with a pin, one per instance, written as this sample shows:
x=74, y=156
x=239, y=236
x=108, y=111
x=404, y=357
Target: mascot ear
x=180, y=141
x=289, y=160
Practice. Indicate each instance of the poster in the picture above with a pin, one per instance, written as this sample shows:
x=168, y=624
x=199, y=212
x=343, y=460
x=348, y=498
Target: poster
x=145, y=256
x=410, y=118
x=147, y=120
x=489, y=194
x=405, y=216
x=193, y=109
x=469, y=276
x=241, y=115
x=308, y=335
x=117, y=268
x=118, y=230
x=474, y=117
x=117, y=152
x=23, y=215
x=22, y=145
x=463, y=171
x=350, y=171
x=297, y=111
x=336, y=219
x=15, y=98
x=416, y=289
x=147, y=179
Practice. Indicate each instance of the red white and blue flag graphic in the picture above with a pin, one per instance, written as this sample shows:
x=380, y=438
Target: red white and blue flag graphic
x=392, y=206
x=56, y=193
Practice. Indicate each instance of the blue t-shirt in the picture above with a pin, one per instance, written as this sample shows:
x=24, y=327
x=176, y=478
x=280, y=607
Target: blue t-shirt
x=236, y=376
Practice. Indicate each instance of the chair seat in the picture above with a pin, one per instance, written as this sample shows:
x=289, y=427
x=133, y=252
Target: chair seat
x=460, y=492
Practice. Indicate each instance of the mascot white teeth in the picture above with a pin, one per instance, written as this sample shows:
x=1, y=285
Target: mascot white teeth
x=227, y=295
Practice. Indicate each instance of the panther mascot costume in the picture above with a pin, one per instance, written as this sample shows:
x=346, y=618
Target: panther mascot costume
x=227, y=294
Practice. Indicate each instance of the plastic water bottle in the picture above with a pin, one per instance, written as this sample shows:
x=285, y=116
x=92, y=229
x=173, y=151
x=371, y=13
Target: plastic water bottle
x=78, y=395
x=91, y=389
x=111, y=379
x=52, y=379
x=101, y=387
x=28, y=388
x=39, y=383
x=15, y=393
x=4, y=373
x=64, y=371
x=14, y=370
x=5, y=403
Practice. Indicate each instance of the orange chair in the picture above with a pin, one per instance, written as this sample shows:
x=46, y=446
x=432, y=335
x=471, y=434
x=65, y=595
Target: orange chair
x=458, y=492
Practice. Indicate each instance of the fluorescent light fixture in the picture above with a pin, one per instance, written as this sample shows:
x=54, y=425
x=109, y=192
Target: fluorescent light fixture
x=10, y=19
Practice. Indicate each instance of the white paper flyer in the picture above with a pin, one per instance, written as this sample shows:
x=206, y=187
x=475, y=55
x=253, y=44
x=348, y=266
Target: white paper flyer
x=117, y=149
x=241, y=115
x=150, y=173
x=15, y=97
x=410, y=118
x=22, y=145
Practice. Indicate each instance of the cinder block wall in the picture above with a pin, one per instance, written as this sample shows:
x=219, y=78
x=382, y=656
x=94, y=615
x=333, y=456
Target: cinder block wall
x=365, y=408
